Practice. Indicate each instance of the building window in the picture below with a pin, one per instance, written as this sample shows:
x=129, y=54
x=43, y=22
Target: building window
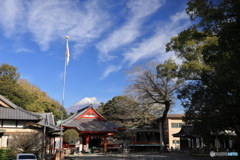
x=21, y=124
x=176, y=142
x=9, y=124
x=177, y=125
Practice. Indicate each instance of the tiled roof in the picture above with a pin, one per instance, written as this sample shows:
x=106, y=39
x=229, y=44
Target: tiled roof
x=8, y=102
x=16, y=113
x=48, y=120
x=91, y=125
x=75, y=115
x=186, y=131
x=145, y=127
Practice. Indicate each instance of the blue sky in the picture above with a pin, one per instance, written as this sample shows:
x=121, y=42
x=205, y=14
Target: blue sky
x=107, y=37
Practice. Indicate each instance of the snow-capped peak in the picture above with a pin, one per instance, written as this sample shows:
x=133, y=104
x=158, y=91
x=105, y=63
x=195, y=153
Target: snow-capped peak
x=83, y=103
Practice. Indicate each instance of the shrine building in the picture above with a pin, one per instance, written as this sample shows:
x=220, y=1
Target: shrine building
x=93, y=129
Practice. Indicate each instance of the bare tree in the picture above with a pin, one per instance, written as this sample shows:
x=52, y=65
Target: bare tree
x=26, y=142
x=155, y=85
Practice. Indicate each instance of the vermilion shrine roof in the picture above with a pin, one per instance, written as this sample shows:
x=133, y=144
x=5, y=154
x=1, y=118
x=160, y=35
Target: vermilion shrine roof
x=88, y=120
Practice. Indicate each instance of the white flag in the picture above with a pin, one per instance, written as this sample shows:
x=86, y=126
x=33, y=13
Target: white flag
x=67, y=53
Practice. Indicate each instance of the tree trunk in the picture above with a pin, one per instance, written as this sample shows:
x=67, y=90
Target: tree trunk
x=162, y=120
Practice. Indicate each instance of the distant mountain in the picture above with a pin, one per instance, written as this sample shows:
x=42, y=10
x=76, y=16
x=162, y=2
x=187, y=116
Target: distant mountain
x=83, y=103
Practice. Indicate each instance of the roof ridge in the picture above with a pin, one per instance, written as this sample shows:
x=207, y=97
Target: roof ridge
x=17, y=107
x=8, y=102
x=28, y=112
x=74, y=115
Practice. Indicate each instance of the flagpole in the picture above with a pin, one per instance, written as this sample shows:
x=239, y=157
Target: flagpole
x=63, y=91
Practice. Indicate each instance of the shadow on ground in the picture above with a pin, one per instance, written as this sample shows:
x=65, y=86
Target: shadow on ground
x=146, y=156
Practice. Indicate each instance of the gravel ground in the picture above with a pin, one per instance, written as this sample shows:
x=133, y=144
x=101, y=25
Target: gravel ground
x=146, y=156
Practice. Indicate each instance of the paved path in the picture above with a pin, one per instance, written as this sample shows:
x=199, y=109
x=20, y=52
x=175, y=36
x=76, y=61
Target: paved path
x=145, y=156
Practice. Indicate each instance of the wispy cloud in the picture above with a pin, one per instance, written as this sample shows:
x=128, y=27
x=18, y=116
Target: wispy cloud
x=14, y=22
x=110, y=69
x=154, y=46
x=55, y=19
x=91, y=24
x=130, y=30
x=23, y=50
x=52, y=20
x=124, y=35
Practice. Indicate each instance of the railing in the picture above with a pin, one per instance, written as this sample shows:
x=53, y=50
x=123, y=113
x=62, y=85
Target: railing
x=145, y=142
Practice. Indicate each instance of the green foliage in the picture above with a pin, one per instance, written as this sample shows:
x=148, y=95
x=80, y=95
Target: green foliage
x=42, y=102
x=8, y=73
x=70, y=136
x=211, y=66
x=10, y=88
x=5, y=154
x=189, y=46
x=124, y=110
x=26, y=95
x=169, y=70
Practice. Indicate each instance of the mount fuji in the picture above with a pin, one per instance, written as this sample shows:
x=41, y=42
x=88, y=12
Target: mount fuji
x=83, y=103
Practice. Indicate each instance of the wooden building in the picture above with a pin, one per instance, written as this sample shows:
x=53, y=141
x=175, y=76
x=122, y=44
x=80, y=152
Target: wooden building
x=222, y=141
x=145, y=138
x=16, y=120
x=93, y=129
x=189, y=140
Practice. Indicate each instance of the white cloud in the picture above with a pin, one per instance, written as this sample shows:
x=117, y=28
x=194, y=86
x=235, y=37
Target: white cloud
x=52, y=20
x=110, y=69
x=23, y=50
x=12, y=16
x=55, y=19
x=155, y=45
x=124, y=35
x=86, y=21
x=130, y=30
x=142, y=8
x=179, y=16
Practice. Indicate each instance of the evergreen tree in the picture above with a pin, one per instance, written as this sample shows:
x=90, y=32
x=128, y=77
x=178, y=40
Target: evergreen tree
x=212, y=96
x=26, y=95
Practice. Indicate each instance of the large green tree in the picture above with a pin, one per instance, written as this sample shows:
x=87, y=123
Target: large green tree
x=41, y=102
x=189, y=46
x=124, y=110
x=212, y=96
x=26, y=95
x=9, y=73
x=10, y=88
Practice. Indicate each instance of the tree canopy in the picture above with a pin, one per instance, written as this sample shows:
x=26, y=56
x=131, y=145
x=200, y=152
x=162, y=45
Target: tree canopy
x=70, y=136
x=124, y=110
x=26, y=95
x=211, y=66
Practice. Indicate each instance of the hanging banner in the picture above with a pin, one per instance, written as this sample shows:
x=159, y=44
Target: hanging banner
x=189, y=143
x=197, y=143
